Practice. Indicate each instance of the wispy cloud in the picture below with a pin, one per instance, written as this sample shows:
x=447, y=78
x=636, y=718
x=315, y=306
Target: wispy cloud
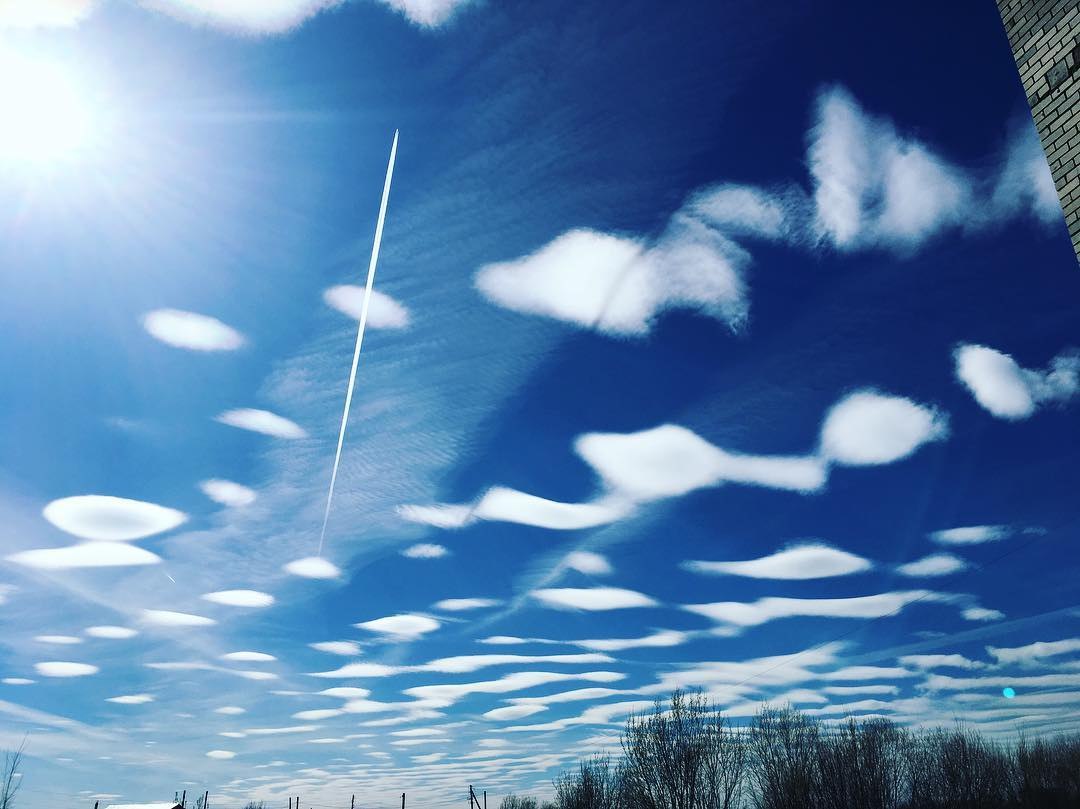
x=169, y=618
x=425, y=550
x=588, y=562
x=463, y=604
x=1008, y=391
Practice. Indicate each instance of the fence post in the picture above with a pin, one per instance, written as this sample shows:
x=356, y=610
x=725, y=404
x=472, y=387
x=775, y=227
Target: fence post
x=485, y=799
x=353, y=804
x=206, y=800
x=402, y=800
x=183, y=799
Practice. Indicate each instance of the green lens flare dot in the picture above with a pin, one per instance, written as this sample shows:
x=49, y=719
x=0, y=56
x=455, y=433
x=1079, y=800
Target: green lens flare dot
x=1008, y=693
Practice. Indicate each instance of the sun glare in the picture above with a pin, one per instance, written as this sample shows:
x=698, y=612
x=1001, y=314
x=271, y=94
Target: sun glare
x=46, y=117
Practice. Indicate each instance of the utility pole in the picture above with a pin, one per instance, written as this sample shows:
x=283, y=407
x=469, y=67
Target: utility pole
x=402, y=800
x=183, y=799
x=353, y=804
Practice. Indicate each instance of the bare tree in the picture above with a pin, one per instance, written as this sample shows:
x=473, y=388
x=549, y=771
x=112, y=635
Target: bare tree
x=596, y=784
x=518, y=802
x=784, y=763
x=863, y=765
x=683, y=757
x=10, y=777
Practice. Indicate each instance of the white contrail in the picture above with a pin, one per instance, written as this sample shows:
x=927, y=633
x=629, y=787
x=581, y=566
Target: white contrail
x=360, y=334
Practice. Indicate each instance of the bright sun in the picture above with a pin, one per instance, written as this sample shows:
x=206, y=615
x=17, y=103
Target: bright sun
x=45, y=116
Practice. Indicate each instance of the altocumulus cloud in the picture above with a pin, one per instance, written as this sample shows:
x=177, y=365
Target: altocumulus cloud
x=65, y=669
x=401, y=626
x=313, y=567
x=1006, y=390
x=240, y=598
x=192, y=331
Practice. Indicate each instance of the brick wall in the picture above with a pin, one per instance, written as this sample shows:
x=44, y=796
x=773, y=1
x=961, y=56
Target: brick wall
x=1045, y=40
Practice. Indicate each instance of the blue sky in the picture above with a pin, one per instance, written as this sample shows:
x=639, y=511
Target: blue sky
x=711, y=347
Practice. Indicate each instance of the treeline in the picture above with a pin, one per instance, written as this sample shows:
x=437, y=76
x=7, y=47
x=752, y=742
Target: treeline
x=687, y=756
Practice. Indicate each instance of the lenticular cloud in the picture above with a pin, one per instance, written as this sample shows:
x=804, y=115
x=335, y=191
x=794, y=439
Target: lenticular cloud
x=240, y=598
x=65, y=669
x=191, y=331
x=262, y=421
x=111, y=519
x=228, y=493
x=811, y=561
x=86, y=555
x=383, y=311
x=313, y=567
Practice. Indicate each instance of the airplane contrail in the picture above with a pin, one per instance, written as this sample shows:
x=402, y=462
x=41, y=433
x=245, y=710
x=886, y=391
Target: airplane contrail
x=360, y=334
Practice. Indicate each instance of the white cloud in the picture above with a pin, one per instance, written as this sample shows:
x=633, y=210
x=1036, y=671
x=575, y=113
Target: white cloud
x=249, y=657
x=401, y=626
x=111, y=632
x=941, y=682
x=170, y=618
x=939, y=661
x=283, y=731
x=868, y=428
x=510, y=505
x=1008, y=391
x=982, y=614
x=936, y=564
x=343, y=648
x=464, y=664
x=240, y=598
x=44, y=13
x=873, y=187
x=619, y=285
x=317, y=715
x=229, y=710
x=513, y=712
x=740, y=209
x=596, y=715
x=1033, y=652
x=425, y=550
x=450, y=693
x=313, y=567
x=970, y=534
x=428, y=13
x=244, y=16
x=461, y=604
x=439, y=516
x=228, y=493
x=221, y=754
x=111, y=519
x=262, y=421
x=191, y=331
x=587, y=562
x=383, y=311
x=132, y=699
x=663, y=638
x=1025, y=182
x=59, y=640
x=17, y=681
x=592, y=598
x=742, y=614
x=63, y=669
x=810, y=561
x=670, y=460
x=86, y=554
x=346, y=692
